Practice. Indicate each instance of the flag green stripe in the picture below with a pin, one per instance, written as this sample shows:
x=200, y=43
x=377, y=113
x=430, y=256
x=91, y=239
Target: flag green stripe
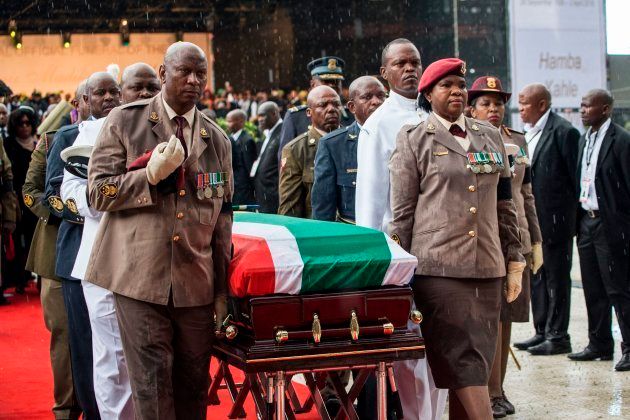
x=336, y=255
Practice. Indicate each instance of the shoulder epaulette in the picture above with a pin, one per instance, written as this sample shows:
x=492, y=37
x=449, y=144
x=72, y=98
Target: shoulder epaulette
x=510, y=130
x=138, y=103
x=298, y=108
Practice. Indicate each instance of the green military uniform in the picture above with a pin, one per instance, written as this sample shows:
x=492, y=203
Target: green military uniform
x=8, y=202
x=41, y=260
x=297, y=174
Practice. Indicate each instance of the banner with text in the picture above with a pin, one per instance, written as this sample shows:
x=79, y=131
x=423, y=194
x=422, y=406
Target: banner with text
x=559, y=43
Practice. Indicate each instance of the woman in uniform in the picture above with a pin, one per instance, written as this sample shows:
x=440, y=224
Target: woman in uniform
x=452, y=208
x=487, y=100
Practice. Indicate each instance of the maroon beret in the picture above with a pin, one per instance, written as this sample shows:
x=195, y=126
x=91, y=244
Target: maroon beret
x=487, y=84
x=439, y=70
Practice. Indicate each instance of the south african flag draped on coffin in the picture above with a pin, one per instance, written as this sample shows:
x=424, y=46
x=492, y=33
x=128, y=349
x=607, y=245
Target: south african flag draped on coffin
x=280, y=254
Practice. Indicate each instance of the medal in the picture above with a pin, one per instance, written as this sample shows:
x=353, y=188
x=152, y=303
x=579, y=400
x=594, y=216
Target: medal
x=200, y=193
x=487, y=168
x=475, y=168
x=220, y=191
x=208, y=192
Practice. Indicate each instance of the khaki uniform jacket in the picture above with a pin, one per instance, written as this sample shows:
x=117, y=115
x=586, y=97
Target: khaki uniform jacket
x=522, y=193
x=8, y=199
x=453, y=220
x=297, y=174
x=149, y=244
x=41, y=256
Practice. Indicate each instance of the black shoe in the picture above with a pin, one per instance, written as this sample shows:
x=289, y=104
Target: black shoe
x=549, y=347
x=535, y=340
x=624, y=363
x=498, y=411
x=333, y=405
x=587, y=355
x=509, y=407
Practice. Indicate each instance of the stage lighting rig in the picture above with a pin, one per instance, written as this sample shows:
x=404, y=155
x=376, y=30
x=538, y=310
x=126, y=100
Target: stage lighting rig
x=124, y=32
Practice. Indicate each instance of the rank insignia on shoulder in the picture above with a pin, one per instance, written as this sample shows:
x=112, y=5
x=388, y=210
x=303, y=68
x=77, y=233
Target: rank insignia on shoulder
x=154, y=116
x=203, y=132
x=72, y=206
x=475, y=127
x=352, y=136
x=109, y=190
x=396, y=239
x=56, y=203
x=29, y=200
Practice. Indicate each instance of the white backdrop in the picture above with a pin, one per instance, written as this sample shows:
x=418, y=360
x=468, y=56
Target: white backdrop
x=559, y=43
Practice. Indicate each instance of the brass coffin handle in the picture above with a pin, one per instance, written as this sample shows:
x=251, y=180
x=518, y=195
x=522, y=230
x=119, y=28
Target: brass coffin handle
x=317, y=328
x=354, y=326
x=388, y=328
x=416, y=316
x=282, y=336
x=231, y=332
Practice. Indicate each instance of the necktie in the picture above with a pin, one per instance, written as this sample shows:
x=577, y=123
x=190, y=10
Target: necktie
x=179, y=133
x=456, y=130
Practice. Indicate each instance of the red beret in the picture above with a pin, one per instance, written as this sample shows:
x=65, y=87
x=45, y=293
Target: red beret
x=439, y=70
x=487, y=84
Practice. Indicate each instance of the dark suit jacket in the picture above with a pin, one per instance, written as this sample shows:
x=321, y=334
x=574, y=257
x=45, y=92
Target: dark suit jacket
x=70, y=230
x=612, y=183
x=334, y=187
x=554, y=180
x=242, y=165
x=266, y=179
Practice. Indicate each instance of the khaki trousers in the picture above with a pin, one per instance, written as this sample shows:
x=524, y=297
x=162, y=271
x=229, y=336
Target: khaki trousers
x=56, y=320
x=168, y=357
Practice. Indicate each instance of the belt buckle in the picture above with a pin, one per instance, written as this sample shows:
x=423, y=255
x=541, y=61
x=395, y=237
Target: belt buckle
x=591, y=214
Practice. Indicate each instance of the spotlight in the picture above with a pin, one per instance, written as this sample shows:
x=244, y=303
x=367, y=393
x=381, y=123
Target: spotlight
x=12, y=28
x=65, y=39
x=124, y=32
x=179, y=36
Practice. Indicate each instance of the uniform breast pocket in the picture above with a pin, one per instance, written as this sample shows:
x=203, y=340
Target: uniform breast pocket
x=209, y=211
x=308, y=175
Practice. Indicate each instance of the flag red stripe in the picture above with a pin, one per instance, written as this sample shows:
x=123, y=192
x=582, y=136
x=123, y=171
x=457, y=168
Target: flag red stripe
x=251, y=277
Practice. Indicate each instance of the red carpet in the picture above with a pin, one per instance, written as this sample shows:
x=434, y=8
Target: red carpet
x=25, y=374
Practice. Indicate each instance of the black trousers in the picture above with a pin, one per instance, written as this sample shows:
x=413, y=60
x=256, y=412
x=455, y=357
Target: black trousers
x=606, y=284
x=551, y=291
x=80, y=339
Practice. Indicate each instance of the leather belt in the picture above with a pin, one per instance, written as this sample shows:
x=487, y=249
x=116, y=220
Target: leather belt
x=592, y=213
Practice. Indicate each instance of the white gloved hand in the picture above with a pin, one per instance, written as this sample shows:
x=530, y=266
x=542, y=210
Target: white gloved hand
x=513, y=284
x=537, y=257
x=166, y=157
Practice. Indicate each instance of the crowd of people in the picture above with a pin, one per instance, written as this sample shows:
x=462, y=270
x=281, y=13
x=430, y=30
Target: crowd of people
x=133, y=248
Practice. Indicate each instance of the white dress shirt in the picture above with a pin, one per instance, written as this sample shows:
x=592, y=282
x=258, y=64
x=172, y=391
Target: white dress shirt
x=533, y=132
x=377, y=140
x=236, y=135
x=190, y=118
x=267, y=133
x=461, y=122
x=594, y=140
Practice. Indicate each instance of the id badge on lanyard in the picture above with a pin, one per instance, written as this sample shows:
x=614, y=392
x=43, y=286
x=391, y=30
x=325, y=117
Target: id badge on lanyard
x=587, y=179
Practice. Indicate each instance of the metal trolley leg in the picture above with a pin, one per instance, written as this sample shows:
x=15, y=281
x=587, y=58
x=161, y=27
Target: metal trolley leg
x=279, y=394
x=381, y=391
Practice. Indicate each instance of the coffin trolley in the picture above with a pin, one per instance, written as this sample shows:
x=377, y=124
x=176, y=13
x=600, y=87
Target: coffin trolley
x=313, y=298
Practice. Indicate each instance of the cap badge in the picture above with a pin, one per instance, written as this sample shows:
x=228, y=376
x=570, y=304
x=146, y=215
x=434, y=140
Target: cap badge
x=492, y=82
x=463, y=69
x=154, y=116
x=332, y=64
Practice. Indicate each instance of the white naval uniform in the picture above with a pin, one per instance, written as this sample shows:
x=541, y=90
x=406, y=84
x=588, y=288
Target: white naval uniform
x=419, y=397
x=111, y=380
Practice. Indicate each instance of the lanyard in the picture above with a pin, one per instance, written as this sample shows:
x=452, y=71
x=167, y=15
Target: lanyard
x=590, y=148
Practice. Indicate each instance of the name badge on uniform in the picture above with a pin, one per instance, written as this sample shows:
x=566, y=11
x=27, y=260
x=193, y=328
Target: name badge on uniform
x=485, y=162
x=440, y=151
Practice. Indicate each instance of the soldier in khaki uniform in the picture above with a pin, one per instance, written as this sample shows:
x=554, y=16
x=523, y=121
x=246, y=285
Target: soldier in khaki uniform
x=487, y=101
x=452, y=209
x=163, y=244
x=41, y=260
x=297, y=165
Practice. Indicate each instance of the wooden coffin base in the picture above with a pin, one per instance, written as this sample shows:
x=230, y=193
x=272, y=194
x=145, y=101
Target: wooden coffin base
x=269, y=368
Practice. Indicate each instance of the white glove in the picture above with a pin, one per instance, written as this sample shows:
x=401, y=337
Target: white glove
x=513, y=283
x=166, y=157
x=537, y=257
